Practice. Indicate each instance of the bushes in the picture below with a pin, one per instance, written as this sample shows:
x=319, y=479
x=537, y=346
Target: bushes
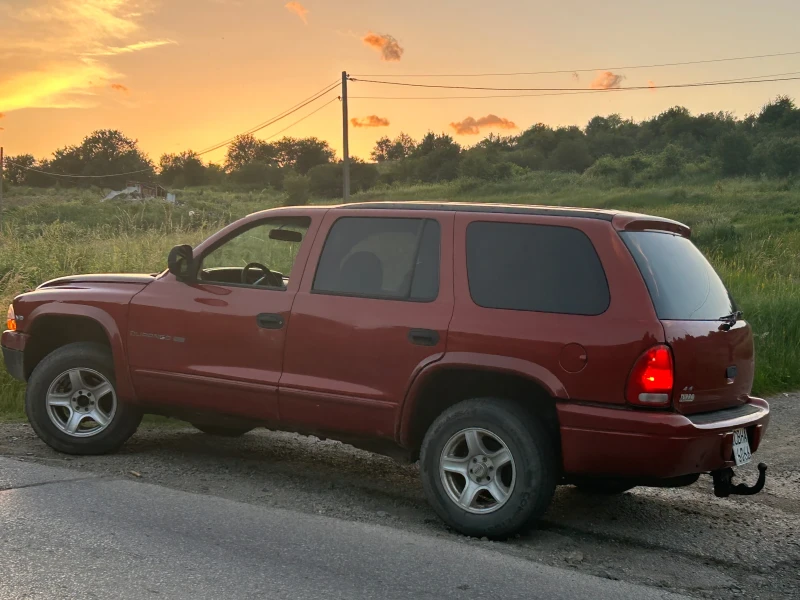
x=297, y=189
x=571, y=155
x=259, y=174
x=327, y=181
x=483, y=164
x=733, y=151
x=778, y=157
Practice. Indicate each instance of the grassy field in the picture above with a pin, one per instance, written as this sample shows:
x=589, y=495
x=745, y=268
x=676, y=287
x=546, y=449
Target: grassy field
x=749, y=228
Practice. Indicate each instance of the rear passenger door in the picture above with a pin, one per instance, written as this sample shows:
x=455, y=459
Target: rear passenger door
x=373, y=307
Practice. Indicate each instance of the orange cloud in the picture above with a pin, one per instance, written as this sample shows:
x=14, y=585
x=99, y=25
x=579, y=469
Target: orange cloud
x=472, y=126
x=2, y=116
x=298, y=9
x=607, y=81
x=651, y=84
x=64, y=45
x=370, y=121
x=387, y=45
x=118, y=87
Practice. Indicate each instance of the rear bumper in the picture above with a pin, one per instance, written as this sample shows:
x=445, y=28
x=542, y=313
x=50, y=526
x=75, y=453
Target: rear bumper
x=13, y=343
x=631, y=443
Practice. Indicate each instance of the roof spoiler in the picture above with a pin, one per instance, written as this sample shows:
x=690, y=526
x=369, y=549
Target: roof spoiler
x=634, y=222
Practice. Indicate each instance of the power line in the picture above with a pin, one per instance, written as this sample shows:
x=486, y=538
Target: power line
x=326, y=90
x=754, y=79
x=573, y=90
x=77, y=176
x=274, y=135
x=630, y=67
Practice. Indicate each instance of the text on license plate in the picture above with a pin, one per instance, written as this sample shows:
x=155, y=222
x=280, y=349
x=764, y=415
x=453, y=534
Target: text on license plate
x=741, y=447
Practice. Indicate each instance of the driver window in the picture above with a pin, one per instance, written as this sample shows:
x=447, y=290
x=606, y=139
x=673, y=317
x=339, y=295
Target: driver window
x=260, y=256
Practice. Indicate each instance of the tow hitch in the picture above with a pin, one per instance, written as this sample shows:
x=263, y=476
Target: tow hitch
x=723, y=483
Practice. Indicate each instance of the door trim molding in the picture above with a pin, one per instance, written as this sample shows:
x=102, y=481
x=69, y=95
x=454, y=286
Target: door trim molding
x=205, y=380
x=338, y=398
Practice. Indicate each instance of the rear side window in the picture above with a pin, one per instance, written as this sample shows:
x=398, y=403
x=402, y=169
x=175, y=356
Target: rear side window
x=681, y=282
x=394, y=259
x=540, y=268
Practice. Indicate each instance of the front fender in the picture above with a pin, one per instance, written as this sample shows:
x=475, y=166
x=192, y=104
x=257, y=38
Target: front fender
x=109, y=324
x=475, y=361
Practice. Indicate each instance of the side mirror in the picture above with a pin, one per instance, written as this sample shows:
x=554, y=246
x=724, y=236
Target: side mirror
x=179, y=262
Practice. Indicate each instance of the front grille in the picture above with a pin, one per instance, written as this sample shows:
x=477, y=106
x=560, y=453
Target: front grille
x=724, y=415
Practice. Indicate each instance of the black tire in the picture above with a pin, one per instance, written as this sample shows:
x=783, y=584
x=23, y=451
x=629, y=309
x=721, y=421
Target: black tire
x=84, y=355
x=535, y=461
x=222, y=430
x=603, y=486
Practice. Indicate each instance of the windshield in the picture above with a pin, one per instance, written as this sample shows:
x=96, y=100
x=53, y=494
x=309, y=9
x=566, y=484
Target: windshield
x=682, y=283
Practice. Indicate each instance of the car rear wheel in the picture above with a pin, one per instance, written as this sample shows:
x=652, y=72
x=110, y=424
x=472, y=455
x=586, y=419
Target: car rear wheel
x=72, y=402
x=488, y=467
x=221, y=430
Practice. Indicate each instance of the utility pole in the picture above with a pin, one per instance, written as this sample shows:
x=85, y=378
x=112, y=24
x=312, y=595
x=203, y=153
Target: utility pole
x=2, y=163
x=346, y=141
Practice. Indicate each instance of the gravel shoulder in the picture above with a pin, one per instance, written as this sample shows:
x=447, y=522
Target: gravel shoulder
x=683, y=540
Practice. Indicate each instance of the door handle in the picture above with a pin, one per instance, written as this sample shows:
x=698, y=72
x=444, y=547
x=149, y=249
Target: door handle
x=423, y=337
x=269, y=321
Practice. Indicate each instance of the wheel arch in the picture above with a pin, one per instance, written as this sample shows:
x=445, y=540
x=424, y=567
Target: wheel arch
x=459, y=376
x=52, y=326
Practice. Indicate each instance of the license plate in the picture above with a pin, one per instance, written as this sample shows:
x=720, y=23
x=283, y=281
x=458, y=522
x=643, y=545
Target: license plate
x=741, y=448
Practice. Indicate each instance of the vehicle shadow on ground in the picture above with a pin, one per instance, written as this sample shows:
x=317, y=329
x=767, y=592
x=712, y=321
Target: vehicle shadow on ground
x=307, y=473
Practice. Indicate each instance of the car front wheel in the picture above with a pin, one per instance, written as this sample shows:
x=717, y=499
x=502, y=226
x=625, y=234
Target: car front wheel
x=72, y=401
x=488, y=467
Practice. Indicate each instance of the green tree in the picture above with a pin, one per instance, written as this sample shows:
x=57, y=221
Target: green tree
x=104, y=152
x=15, y=169
x=246, y=149
x=781, y=113
x=571, y=155
x=186, y=168
x=297, y=189
x=380, y=153
x=303, y=154
x=733, y=151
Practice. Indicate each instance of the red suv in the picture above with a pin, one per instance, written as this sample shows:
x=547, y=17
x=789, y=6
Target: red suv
x=510, y=348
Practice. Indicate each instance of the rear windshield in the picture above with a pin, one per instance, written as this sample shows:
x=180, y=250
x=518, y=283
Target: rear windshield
x=682, y=284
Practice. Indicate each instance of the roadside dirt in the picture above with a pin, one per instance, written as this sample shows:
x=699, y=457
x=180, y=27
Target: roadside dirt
x=684, y=540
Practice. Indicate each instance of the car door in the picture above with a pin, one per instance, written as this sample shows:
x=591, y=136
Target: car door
x=216, y=343
x=371, y=311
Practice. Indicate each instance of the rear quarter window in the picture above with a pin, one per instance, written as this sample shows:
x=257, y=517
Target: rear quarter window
x=540, y=268
x=682, y=283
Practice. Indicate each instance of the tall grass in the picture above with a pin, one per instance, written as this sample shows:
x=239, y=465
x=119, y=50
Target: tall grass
x=748, y=228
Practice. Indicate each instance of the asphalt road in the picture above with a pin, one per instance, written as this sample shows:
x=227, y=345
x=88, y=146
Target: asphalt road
x=70, y=535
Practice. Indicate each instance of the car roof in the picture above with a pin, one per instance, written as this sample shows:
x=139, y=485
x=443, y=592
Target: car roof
x=514, y=209
x=627, y=220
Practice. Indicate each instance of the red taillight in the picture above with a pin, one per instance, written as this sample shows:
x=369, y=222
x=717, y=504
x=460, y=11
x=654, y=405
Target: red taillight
x=650, y=381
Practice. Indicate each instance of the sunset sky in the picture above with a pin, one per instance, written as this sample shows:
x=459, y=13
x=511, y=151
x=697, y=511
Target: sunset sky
x=181, y=74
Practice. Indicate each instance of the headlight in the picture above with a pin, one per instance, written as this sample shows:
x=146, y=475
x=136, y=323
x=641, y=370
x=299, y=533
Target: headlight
x=11, y=319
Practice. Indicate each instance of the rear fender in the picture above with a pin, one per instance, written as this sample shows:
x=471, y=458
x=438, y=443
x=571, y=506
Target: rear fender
x=474, y=361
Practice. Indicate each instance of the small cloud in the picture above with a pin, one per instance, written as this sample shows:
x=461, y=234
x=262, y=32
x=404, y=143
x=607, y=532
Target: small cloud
x=575, y=76
x=298, y=9
x=607, y=81
x=118, y=87
x=137, y=47
x=387, y=45
x=370, y=121
x=472, y=126
x=2, y=116
x=651, y=84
